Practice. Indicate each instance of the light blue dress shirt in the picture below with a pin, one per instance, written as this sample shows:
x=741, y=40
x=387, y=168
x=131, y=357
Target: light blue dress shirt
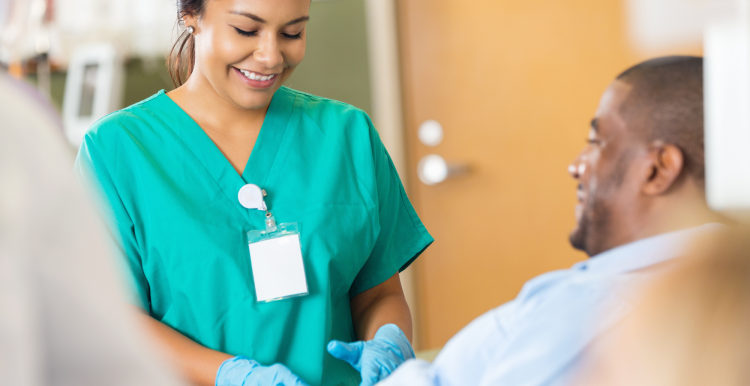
x=537, y=338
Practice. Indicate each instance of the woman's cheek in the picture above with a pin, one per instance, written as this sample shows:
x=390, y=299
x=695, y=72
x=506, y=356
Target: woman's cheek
x=300, y=52
x=292, y=58
x=230, y=50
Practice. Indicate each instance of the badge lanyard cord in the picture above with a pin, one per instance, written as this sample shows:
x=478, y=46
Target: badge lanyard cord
x=270, y=220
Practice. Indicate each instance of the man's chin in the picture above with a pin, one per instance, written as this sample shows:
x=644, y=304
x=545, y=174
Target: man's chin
x=577, y=238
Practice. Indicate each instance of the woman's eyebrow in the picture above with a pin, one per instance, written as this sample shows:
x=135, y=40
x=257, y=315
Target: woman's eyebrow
x=261, y=20
x=299, y=20
x=248, y=14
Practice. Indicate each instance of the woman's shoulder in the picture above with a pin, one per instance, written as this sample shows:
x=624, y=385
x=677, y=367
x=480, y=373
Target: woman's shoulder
x=134, y=117
x=320, y=108
x=337, y=120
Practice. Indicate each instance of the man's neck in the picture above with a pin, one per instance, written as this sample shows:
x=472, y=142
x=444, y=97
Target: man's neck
x=659, y=219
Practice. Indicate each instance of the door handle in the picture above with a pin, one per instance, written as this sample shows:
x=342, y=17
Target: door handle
x=432, y=169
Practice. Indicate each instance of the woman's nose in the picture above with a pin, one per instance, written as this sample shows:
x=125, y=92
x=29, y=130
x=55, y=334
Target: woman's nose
x=268, y=52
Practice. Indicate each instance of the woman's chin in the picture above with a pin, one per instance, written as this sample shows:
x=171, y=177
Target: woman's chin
x=252, y=102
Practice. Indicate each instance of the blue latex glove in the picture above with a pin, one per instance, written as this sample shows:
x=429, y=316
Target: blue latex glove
x=375, y=359
x=240, y=371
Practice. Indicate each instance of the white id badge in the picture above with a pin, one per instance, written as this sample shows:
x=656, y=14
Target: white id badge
x=276, y=259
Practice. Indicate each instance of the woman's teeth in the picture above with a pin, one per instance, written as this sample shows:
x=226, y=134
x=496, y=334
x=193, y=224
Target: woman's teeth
x=254, y=76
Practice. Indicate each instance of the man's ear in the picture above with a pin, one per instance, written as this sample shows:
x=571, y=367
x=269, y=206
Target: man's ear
x=667, y=162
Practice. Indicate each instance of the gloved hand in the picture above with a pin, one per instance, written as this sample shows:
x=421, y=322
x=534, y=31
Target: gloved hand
x=375, y=359
x=240, y=371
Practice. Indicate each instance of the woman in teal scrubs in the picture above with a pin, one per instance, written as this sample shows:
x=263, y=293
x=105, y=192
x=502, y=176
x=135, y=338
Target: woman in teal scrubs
x=170, y=169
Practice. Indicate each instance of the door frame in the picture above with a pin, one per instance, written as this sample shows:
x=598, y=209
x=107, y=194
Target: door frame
x=387, y=108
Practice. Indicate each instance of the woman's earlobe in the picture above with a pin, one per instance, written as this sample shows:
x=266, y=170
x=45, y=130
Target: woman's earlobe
x=189, y=21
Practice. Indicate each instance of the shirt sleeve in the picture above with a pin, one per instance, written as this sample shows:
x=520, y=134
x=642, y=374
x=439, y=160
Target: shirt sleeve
x=91, y=166
x=548, y=339
x=401, y=237
x=466, y=356
x=413, y=372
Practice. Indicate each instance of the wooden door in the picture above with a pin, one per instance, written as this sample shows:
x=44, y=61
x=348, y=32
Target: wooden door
x=514, y=84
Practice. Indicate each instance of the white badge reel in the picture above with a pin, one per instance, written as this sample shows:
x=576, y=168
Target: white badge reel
x=275, y=253
x=251, y=197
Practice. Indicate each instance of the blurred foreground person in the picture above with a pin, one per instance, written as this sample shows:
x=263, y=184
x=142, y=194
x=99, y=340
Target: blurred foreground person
x=692, y=328
x=642, y=199
x=62, y=317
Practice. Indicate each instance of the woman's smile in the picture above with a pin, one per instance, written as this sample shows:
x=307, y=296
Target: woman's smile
x=256, y=79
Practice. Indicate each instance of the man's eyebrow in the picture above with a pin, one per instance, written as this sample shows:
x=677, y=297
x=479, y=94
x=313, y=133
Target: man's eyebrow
x=595, y=124
x=261, y=20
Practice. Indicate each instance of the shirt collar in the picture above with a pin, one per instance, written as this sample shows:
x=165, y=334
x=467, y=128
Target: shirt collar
x=645, y=252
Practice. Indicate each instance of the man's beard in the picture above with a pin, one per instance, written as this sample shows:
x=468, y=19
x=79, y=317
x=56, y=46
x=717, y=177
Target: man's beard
x=592, y=226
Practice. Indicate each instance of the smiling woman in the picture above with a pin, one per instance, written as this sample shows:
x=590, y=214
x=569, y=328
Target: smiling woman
x=172, y=170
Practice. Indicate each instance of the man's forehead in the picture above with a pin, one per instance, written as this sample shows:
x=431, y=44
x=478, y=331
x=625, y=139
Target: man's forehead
x=608, y=114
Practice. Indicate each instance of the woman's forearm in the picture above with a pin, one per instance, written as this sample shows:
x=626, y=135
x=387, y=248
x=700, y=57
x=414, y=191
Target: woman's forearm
x=381, y=305
x=197, y=363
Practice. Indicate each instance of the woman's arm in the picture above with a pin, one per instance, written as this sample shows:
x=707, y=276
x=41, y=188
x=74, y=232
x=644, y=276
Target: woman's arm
x=381, y=305
x=197, y=363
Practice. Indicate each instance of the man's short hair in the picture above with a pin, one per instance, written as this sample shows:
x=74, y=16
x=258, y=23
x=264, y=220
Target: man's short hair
x=666, y=103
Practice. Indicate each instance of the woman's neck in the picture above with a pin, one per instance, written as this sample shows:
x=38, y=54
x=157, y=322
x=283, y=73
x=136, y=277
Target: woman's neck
x=233, y=129
x=213, y=112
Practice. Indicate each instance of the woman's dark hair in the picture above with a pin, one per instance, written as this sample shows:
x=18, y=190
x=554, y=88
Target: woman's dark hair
x=181, y=59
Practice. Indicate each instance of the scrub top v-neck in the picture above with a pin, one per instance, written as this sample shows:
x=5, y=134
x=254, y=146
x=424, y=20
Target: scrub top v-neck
x=171, y=196
x=265, y=152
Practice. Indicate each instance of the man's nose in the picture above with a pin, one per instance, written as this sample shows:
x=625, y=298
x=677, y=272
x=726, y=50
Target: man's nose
x=268, y=51
x=577, y=167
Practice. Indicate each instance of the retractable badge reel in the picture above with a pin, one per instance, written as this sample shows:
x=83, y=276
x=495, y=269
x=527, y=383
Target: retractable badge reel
x=275, y=253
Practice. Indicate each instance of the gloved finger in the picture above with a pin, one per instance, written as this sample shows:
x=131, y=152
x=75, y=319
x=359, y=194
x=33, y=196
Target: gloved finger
x=348, y=352
x=387, y=367
x=395, y=338
x=284, y=377
x=370, y=374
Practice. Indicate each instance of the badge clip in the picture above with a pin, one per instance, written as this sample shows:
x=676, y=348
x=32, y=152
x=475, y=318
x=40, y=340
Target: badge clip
x=251, y=197
x=270, y=222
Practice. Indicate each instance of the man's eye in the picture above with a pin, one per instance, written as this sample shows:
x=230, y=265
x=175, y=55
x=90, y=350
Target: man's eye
x=593, y=141
x=245, y=33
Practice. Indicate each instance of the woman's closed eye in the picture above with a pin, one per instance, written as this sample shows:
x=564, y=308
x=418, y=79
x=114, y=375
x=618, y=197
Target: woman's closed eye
x=245, y=33
x=290, y=36
x=255, y=33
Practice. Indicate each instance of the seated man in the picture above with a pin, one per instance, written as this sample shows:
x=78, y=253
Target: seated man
x=641, y=198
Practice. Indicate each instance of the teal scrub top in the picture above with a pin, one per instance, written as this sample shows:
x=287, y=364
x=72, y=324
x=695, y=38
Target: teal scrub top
x=172, y=198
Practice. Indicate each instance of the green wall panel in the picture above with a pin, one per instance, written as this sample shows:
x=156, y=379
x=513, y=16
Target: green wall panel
x=336, y=61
